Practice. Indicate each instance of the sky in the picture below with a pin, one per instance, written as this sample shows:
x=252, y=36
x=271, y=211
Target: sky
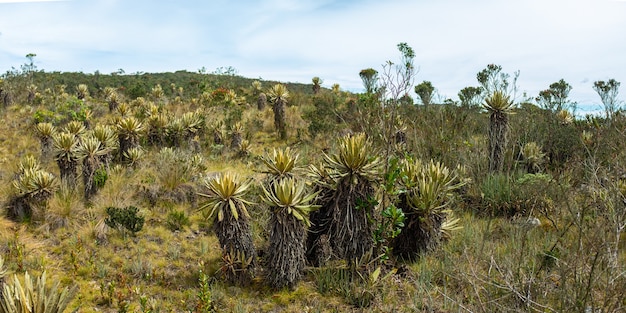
x=581, y=41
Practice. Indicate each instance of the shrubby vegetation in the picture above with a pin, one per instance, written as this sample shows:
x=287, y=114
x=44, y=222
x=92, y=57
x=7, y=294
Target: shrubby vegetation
x=243, y=195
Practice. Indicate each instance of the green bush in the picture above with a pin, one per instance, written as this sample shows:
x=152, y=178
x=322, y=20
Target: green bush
x=100, y=177
x=124, y=218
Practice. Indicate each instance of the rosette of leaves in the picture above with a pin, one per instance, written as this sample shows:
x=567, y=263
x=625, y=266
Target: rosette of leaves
x=133, y=156
x=75, y=128
x=3, y=274
x=193, y=124
x=218, y=133
x=226, y=207
x=90, y=150
x=280, y=164
x=426, y=196
x=175, y=131
x=236, y=133
x=45, y=131
x=82, y=91
x=65, y=145
x=112, y=98
x=32, y=188
x=157, y=128
x=499, y=106
x=533, y=157
x=290, y=204
x=128, y=132
x=108, y=140
x=565, y=117
x=278, y=96
x=355, y=171
x=34, y=296
x=244, y=149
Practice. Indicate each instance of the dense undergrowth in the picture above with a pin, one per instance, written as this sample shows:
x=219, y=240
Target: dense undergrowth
x=545, y=233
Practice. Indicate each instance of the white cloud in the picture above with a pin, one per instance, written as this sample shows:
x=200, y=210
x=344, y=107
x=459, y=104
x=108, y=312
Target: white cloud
x=295, y=40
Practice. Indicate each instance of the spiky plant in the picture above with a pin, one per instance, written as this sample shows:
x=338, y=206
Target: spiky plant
x=32, y=91
x=244, y=148
x=278, y=95
x=32, y=188
x=256, y=87
x=90, y=150
x=499, y=107
x=533, y=157
x=175, y=131
x=133, y=156
x=65, y=145
x=75, y=128
x=128, y=132
x=236, y=133
x=280, y=164
x=112, y=98
x=355, y=171
x=587, y=138
x=317, y=84
x=193, y=124
x=261, y=101
x=157, y=92
x=34, y=296
x=108, y=140
x=82, y=91
x=565, y=117
x=45, y=131
x=226, y=208
x=290, y=204
x=218, y=133
x=123, y=109
x=317, y=244
x=427, y=194
x=3, y=274
x=157, y=128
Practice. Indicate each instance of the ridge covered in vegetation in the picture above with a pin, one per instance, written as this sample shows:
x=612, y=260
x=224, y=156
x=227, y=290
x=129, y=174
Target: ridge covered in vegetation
x=204, y=192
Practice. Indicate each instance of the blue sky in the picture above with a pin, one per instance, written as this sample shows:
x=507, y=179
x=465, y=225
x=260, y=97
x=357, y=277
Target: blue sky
x=580, y=41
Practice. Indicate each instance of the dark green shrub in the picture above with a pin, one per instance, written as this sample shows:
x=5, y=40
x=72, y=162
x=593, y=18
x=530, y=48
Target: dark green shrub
x=124, y=218
x=100, y=177
x=322, y=117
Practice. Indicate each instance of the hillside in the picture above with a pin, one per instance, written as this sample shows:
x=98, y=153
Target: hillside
x=109, y=184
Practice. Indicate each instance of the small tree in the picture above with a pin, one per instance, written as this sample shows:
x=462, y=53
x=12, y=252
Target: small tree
x=492, y=79
x=369, y=76
x=425, y=92
x=470, y=96
x=555, y=99
x=608, y=90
